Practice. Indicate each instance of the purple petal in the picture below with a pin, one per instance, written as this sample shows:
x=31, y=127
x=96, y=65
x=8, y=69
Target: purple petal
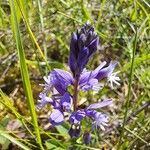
x=100, y=120
x=66, y=102
x=96, y=71
x=56, y=117
x=61, y=80
x=82, y=58
x=55, y=82
x=44, y=100
x=90, y=112
x=105, y=72
x=91, y=84
x=73, y=53
x=100, y=104
x=64, y=75
x=87, y=75
x=93, y=46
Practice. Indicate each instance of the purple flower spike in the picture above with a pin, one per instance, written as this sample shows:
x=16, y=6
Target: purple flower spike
x=64, y=87
x=83, y=44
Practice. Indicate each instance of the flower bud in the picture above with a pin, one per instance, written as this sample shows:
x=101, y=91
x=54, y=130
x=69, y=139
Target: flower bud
x=86, y=137
x=83, y=44
x=74, y=131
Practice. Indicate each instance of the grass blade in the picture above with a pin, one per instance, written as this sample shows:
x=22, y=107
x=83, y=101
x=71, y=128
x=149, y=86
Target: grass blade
x=24, y=70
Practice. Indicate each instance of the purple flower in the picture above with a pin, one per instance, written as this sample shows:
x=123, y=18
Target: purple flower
x=64, y=104
x=74, y=131
x=100, y=119
x=90, y=79
x=106, y=71
x=83, y=44
x=60, y=105
x=60, y=80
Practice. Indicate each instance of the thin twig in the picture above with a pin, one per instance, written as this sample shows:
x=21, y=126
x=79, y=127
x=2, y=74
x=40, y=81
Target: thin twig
x=134, y=114
x=130, y=117
x=17, y=81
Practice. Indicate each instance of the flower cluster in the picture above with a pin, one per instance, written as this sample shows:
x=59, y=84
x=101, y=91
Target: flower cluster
x=83, y=45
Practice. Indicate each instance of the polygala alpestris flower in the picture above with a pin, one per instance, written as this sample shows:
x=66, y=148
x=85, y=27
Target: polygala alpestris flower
x=61, y=88
x=99, y=119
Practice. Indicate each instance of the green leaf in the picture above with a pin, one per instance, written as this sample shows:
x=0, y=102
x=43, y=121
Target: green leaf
x=62, y=130
x=53, y=145
x=4, y=142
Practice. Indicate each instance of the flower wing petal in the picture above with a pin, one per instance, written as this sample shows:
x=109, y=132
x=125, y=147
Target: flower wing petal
x=100, y=104
x=56, y=117
x=66, y=102
x=87, y=75
x=64, y=75
x=105, y=72
x=91, y=84
x=60, y=79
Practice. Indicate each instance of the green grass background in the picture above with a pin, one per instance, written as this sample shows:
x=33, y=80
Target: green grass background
x=34, y=39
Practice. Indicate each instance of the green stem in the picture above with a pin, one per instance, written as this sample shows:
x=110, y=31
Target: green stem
x=42, y=30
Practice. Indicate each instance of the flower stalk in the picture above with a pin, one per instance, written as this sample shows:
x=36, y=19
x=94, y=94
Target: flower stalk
x=75, y=95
